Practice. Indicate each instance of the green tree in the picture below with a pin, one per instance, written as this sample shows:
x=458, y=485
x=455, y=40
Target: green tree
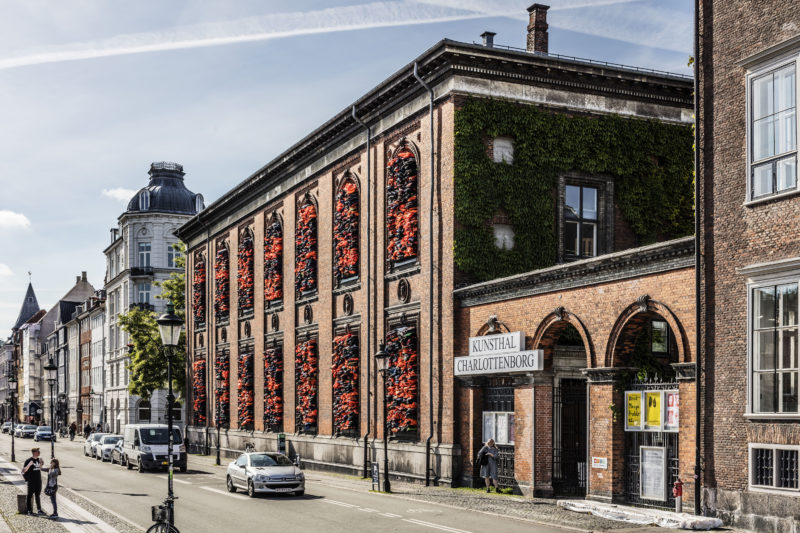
x=148, y=365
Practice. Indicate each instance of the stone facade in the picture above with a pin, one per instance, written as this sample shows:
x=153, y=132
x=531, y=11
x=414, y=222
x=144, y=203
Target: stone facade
x=746, y=241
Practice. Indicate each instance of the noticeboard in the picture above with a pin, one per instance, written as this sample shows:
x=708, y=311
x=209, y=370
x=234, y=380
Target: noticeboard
x=633, y=411
x=672, y=401
x=376, y=476
x=653, y=408
x=653, y=473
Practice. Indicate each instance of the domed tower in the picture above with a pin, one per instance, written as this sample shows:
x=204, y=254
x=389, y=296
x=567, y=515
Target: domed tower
x=141, y=253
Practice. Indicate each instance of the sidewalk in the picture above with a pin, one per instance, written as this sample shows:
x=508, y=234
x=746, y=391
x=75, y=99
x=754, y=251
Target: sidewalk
x=543, y=511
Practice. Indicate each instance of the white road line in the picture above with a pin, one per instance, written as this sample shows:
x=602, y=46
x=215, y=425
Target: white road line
x=367, y=510
x=176, y=480
x=434, y=526
x=226, y=493
x=343, y=504
x=390, y=515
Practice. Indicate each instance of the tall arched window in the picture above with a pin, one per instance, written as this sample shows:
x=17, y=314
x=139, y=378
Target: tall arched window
x=273, y=260
x=143, y=411
x=245, y=277
x=305, y=269
x=402, y=206
x=199, y=291
x=346, y=232
x=222, y=279
x=199, y=392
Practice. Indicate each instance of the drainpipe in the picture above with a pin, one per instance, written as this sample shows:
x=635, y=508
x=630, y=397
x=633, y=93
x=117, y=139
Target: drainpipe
x=369, y=292
x=430, y=285
x=697, y=262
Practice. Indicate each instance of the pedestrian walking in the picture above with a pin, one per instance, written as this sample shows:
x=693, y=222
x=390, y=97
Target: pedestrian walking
x=32, y=473
x=487, y=458
x=72, y=429
x=52, y=484
x=87, y=429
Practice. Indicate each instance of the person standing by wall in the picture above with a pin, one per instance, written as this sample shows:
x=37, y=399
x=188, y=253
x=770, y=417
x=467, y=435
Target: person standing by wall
x=52, y=484
x=32, y=473
x=487, y=458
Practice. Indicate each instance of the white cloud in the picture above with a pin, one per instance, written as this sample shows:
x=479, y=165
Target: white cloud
x=12, y=220
x=5, y=270
x=119, y=194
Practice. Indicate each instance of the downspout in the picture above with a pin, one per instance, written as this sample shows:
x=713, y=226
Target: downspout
x=697, y=261
x=430, y=284
x=369, y=287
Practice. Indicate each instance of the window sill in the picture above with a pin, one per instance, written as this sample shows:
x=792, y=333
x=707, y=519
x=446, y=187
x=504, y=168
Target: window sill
x=781, y=492
x=772, y=416
x=774, y=197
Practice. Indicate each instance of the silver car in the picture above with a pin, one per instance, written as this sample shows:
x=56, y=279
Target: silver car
x=25, y=431
x=103, y=448
x=90, y=445
x=267, y=472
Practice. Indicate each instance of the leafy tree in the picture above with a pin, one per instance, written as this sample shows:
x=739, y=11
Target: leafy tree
x=148, y=365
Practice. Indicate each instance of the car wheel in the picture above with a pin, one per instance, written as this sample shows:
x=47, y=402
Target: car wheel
x=231, y=486
x=139, y=467
x=299, y=492
x=127, y=464
x=251, y=489
x=184, y=468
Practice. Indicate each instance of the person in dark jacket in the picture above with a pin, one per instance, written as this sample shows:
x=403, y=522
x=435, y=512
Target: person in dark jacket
x=32, y=472
x=52, y=484
x=487, y=458
x=87, y=429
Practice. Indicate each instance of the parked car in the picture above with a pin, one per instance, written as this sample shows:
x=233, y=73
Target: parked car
x=25, y=431
x=258, y=472
x=6, y=427
x=104, y=447
x=118, y=453
x=146, y=447
x=44, y=433
x=91, y=443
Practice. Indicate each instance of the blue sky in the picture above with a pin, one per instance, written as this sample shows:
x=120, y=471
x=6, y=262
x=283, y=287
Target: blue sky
x=92, y=91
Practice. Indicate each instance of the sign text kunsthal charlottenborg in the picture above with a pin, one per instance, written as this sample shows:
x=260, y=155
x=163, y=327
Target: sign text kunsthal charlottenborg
x=498, y=354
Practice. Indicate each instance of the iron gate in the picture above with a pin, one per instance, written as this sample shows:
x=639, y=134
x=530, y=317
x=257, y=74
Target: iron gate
x=569, y=438
x=634, y=440
x=499, y=397
x=505, y=466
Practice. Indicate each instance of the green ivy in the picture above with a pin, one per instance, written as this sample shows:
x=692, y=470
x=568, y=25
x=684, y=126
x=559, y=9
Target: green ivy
x=650, y=162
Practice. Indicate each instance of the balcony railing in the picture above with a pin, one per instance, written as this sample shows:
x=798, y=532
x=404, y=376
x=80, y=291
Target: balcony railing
x=144, y=307
x=141, y=271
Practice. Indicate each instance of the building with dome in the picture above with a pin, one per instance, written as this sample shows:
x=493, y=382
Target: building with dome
x=141, y=252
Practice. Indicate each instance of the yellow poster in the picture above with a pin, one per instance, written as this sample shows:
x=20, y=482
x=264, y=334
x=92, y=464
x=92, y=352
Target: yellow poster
x=653, y=410
x=634, y=410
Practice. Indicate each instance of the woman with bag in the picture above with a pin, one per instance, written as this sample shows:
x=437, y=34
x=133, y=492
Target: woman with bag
x=52, y=484
x=487, y=458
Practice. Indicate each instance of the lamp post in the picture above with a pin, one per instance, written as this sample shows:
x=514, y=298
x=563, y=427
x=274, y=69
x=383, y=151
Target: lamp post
x=169, y=327
x=12, y=387
x=51, y=370
x=382, y=364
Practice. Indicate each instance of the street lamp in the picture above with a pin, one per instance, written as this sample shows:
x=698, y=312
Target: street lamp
x=382, y=364
x=51, y=370
x=169, y=327
x=12, y=388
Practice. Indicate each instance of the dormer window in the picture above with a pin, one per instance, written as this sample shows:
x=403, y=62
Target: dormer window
x=503, y=150
x=199, y=204
x=144, y=200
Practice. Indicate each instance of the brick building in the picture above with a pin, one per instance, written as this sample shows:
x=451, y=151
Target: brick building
x=751, y=249
x=359, y=234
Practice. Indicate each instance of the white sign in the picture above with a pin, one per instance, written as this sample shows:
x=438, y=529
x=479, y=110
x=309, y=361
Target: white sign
x=497, y=344
x=652, y=473
x=600, y=462
x=507, y=363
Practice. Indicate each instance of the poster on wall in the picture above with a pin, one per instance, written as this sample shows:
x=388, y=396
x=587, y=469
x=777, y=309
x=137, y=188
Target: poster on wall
x=672, y=399
x=652, y=473
x=488, y=426
x=653, y=410
x=633, y=411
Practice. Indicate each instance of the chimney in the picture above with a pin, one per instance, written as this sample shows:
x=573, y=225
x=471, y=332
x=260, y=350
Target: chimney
x=537, y=29
x=77, y=279
x=488, y=38
x=83, y=275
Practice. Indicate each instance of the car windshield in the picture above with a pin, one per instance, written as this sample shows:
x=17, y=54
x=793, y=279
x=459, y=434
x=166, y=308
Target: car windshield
x=159, y=436
x=98, y=436
x=263, y=459
x=43, y=428
x=30, y=427
x=111, y=440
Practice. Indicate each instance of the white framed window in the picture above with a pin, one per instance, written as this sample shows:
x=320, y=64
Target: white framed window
x=172, y=255
x=499, y=426
x=144, y=254
x=772, y=121
x=503, y=150
x=580, y=221
x=774, y=467
x=143, y=290
x=773, y=346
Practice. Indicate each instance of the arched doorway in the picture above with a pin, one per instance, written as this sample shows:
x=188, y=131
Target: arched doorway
x=567, y=350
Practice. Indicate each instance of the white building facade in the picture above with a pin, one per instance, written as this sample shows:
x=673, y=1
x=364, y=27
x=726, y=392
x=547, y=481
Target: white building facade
x=141, y=253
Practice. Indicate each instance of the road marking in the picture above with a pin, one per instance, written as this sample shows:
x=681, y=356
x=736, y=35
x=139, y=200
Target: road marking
x=176, y=480
x=226, y=493
x=390, y=515
x=434, y=526
x=342, y=504
x=367, y=510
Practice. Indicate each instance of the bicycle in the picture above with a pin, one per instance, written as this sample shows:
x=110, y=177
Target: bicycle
x=162, y=515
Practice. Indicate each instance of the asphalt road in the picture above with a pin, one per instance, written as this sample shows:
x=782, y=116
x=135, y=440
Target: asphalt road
x=204, y=505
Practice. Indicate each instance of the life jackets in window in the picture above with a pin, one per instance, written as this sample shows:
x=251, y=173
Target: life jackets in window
x=344, y=366
x=402, y=380
x=306, y=385
x=246, y=407
x=273, y=262
x=246, y=274
x=199, y=292
x=199, y=392
x=305, y=269
x=222, y=277
x=346, y=231
x=222, y=369
x=273, y=389
x=402, y=207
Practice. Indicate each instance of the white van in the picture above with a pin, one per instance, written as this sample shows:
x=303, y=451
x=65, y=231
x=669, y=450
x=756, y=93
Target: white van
x=145, y=446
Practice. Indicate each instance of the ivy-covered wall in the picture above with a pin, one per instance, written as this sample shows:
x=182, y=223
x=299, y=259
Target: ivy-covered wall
x=650, y=162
